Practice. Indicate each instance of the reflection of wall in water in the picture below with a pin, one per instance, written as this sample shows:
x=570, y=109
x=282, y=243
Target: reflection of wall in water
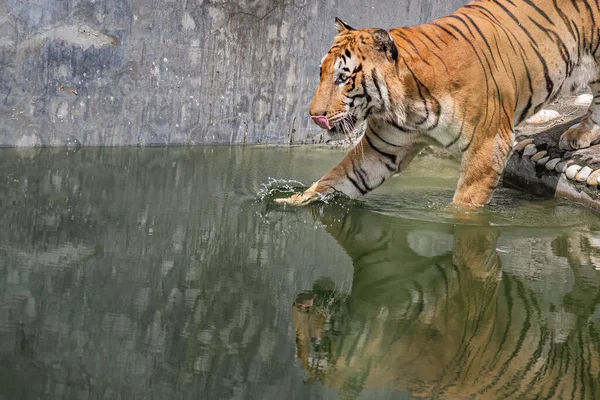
x=139, y=273
x=172, y=72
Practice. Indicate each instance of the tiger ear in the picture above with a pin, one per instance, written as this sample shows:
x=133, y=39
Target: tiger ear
x=384, y=42
x=341, y=26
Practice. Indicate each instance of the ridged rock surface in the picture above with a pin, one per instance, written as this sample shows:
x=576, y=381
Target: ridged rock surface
x=570, y=174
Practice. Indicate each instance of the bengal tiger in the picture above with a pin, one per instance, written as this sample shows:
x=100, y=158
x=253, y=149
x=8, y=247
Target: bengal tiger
x=462, y=82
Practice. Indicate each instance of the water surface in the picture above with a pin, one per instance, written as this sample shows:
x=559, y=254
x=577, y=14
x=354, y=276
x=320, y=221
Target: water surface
x=172, y=274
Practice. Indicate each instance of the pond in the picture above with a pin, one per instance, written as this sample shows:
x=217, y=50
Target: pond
x=171, y=273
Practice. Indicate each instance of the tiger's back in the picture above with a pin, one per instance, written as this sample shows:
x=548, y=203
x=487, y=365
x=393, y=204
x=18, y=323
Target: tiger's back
x=500, y=63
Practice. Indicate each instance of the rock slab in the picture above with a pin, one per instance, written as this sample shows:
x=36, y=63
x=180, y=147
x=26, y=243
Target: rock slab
x=539, y=166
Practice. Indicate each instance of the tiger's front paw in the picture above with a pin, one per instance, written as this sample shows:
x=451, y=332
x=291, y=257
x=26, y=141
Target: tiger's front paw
x=580, y=136
x=298, y=199
x=301, y=199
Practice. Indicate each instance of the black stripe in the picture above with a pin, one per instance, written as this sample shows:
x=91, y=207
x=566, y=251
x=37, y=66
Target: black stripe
x=485, y=13
x=352, y=82
x=536, y=355
x=587, y=6
x=596, y=30
x=361, y=190
x=578, y=36
x=378, y=136
x=522, y=293
x=564, y=17
x=597, y=46
x=474, y=333
x=391, y=157
x=364, y=84
x=492, y=18
x=529, y=104
x=444, y=29
x=554, y=354
x=487, y=88
x=582, y=361
x=516, y=20
x=481, y=35
x=540, y=11
x=364, y=94
x=506, y=32
x=549, y=82
x=512, y=71
x=400, y=128
x=435, y=54
x=462, y=128
x=564, y=52
x=540, y=373
x=574, y=2
x=376, y=83
x=471, y=138
x=509, y=305
x=425, y=97
x=415, y=48
x=422, y=32
x=362, y=176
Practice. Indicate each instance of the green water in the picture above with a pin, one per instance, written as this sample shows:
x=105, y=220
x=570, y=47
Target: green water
x=172, y=274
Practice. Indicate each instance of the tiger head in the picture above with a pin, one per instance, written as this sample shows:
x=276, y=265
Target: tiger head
x=353, y=78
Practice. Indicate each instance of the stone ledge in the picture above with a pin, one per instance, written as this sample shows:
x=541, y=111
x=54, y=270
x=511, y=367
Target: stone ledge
x=539, y=166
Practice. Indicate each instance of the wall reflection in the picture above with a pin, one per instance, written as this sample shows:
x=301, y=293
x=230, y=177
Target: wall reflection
x=147, y=273
x=444, y=312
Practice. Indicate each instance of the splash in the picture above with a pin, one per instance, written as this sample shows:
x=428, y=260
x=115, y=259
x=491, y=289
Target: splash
x=279, y=189
x=282, y=188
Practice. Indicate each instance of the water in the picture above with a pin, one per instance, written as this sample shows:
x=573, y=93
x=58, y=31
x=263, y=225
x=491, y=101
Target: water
x=172, y=274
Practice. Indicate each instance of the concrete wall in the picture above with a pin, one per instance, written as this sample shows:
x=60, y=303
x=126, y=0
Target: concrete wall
x=172, y=72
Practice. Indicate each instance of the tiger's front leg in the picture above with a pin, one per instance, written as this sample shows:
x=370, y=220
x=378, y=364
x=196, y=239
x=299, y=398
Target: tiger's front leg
x=372, y=161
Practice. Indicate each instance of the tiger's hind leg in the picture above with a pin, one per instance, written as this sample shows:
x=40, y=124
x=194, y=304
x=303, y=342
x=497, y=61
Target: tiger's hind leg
x=587, y=132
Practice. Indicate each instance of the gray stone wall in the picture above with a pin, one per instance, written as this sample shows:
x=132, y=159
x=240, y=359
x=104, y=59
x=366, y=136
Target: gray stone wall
x=142, y=72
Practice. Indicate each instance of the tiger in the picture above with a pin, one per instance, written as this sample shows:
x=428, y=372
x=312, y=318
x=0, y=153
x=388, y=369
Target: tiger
x=461, y=82
x=451, y=316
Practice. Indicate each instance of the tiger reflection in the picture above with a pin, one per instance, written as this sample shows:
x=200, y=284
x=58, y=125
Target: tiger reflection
x=438, y=319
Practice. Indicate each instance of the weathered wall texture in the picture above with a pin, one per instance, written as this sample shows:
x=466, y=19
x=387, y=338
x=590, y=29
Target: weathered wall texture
x=172, y=72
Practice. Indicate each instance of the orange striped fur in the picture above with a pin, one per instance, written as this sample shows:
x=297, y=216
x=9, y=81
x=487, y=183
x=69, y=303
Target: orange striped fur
x=461, y=82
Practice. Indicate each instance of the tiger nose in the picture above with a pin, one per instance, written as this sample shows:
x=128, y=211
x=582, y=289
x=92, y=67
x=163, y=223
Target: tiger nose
x=322, y=121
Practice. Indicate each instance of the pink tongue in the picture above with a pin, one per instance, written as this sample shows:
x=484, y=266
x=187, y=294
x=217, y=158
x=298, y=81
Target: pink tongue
x=323, y=122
